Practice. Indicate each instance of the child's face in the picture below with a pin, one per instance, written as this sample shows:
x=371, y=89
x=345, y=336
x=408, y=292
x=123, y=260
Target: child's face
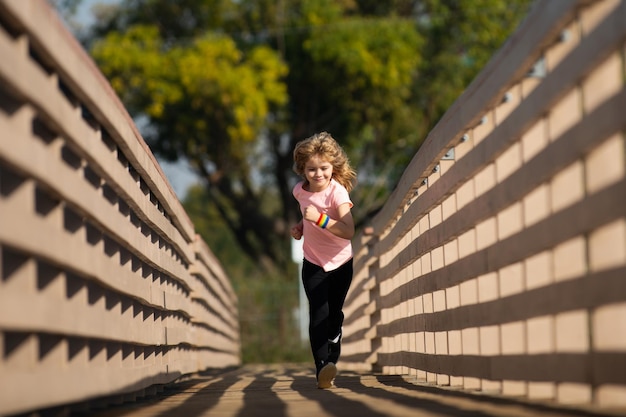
x=318, y=173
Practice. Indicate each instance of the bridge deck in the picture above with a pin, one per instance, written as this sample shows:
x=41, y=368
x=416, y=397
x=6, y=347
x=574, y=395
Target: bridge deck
x=290, y=390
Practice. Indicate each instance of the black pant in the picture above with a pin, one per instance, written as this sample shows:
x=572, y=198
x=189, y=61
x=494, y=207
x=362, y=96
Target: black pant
x=326, y=292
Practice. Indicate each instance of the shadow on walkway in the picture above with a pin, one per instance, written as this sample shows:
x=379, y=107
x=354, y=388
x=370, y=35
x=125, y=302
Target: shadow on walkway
x=290, y=391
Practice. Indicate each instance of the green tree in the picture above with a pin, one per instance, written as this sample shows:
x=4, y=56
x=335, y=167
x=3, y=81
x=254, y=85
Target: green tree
x=232, y=85
x=462, y=37
x=226, y=101
x=208, y=101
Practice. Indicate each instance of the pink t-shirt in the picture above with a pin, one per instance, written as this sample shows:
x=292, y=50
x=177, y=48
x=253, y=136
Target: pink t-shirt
x=320, y=246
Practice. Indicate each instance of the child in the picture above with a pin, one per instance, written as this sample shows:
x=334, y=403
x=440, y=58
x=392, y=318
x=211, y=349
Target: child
x=327, y=227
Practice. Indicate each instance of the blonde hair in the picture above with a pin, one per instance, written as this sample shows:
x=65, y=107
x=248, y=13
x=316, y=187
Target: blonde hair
x=323, y=145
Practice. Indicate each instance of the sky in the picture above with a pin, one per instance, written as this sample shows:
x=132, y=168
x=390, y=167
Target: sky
x=84, y=15
x=179, y=174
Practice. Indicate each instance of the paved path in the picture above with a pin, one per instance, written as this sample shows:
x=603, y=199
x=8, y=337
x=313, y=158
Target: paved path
x=290, y=391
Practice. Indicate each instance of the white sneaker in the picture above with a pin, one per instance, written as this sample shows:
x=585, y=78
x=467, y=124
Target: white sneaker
x=326, y=376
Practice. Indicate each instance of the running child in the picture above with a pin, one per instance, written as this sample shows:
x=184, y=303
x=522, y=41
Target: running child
x=327, y=228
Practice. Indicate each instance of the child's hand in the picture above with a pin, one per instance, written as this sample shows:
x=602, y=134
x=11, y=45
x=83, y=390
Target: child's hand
x=311, y=214
x=296, y=231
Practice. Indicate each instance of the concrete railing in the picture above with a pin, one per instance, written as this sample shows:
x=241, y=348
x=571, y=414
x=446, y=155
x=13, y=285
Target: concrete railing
x=499, y=262
x=105, y=288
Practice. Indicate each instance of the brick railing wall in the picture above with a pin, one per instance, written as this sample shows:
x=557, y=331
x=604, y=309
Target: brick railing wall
x=499, y=262
x=105, y=288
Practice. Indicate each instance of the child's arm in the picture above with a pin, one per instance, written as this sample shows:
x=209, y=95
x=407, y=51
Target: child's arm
x=342, y=227
x=296, y=230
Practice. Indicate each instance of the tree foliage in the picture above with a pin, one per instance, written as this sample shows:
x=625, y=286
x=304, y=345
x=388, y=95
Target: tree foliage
x=232, y=85
x=207, y=100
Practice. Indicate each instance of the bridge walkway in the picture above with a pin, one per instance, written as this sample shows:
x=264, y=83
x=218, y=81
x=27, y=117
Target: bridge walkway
x=289, y=390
